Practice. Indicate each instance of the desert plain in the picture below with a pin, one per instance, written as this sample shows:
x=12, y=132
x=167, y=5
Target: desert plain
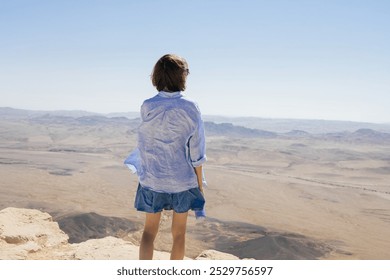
x=270, y=194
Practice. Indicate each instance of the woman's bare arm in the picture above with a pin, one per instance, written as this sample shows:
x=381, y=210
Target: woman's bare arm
x=199, y=175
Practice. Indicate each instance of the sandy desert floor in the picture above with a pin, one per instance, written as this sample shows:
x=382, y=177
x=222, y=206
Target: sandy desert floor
x=266, y=198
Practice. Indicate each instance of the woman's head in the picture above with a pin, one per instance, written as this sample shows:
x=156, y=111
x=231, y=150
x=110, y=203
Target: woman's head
x=170, y=73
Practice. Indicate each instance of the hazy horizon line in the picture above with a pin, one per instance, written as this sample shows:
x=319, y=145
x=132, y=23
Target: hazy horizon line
x=205, y=115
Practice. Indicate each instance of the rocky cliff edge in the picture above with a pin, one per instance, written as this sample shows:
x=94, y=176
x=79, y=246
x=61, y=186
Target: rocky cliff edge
x=33, y=235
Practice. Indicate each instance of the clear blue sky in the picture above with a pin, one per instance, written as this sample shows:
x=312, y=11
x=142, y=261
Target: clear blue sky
x=282, y=59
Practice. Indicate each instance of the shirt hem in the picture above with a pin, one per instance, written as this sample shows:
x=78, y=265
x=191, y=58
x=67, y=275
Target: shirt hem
x=166, y=190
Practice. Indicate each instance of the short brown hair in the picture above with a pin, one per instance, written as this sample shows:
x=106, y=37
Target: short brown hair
x=170, y=73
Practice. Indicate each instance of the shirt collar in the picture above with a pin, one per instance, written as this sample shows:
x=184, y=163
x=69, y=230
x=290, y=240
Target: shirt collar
x=170, y=94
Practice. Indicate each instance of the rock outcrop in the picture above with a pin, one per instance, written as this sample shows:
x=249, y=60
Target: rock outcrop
x=32, y=234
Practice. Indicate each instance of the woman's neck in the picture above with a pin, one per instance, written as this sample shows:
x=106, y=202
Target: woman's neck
x=167, y=90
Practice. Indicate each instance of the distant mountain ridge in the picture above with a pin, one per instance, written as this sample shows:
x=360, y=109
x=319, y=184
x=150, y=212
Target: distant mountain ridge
x=307, y=125
x=84, y=120
x=8, y=112
x=227, y=129
x=360, y=135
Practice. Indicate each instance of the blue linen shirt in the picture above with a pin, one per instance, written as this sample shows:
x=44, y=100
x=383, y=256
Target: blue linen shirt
x=171, y=142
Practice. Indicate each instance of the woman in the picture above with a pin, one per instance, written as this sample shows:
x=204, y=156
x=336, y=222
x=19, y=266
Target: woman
x=169, y=156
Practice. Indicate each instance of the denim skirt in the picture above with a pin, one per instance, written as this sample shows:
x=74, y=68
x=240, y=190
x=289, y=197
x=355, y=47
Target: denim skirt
x=147, y=200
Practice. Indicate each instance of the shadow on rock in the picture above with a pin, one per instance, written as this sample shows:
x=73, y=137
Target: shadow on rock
x=250, y=241
x=85, y=226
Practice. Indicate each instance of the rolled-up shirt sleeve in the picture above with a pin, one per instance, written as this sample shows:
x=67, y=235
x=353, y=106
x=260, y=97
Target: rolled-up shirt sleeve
x=197, y=144
x=133, y=161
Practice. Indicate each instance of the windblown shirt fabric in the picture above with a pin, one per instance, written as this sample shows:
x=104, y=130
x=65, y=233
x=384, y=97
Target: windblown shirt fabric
x=171, y=142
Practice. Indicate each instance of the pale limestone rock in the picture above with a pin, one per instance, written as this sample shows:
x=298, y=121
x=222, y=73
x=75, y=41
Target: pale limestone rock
x=31, y=234
x=18, y=226
x=111, y=248
x=24, y=231
x=215, y=255
x=108, y=248
x=12, y=252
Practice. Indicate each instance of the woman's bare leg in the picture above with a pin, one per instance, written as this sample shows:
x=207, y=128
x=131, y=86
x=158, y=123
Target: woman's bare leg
x=179, y=225
x=152, y=222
